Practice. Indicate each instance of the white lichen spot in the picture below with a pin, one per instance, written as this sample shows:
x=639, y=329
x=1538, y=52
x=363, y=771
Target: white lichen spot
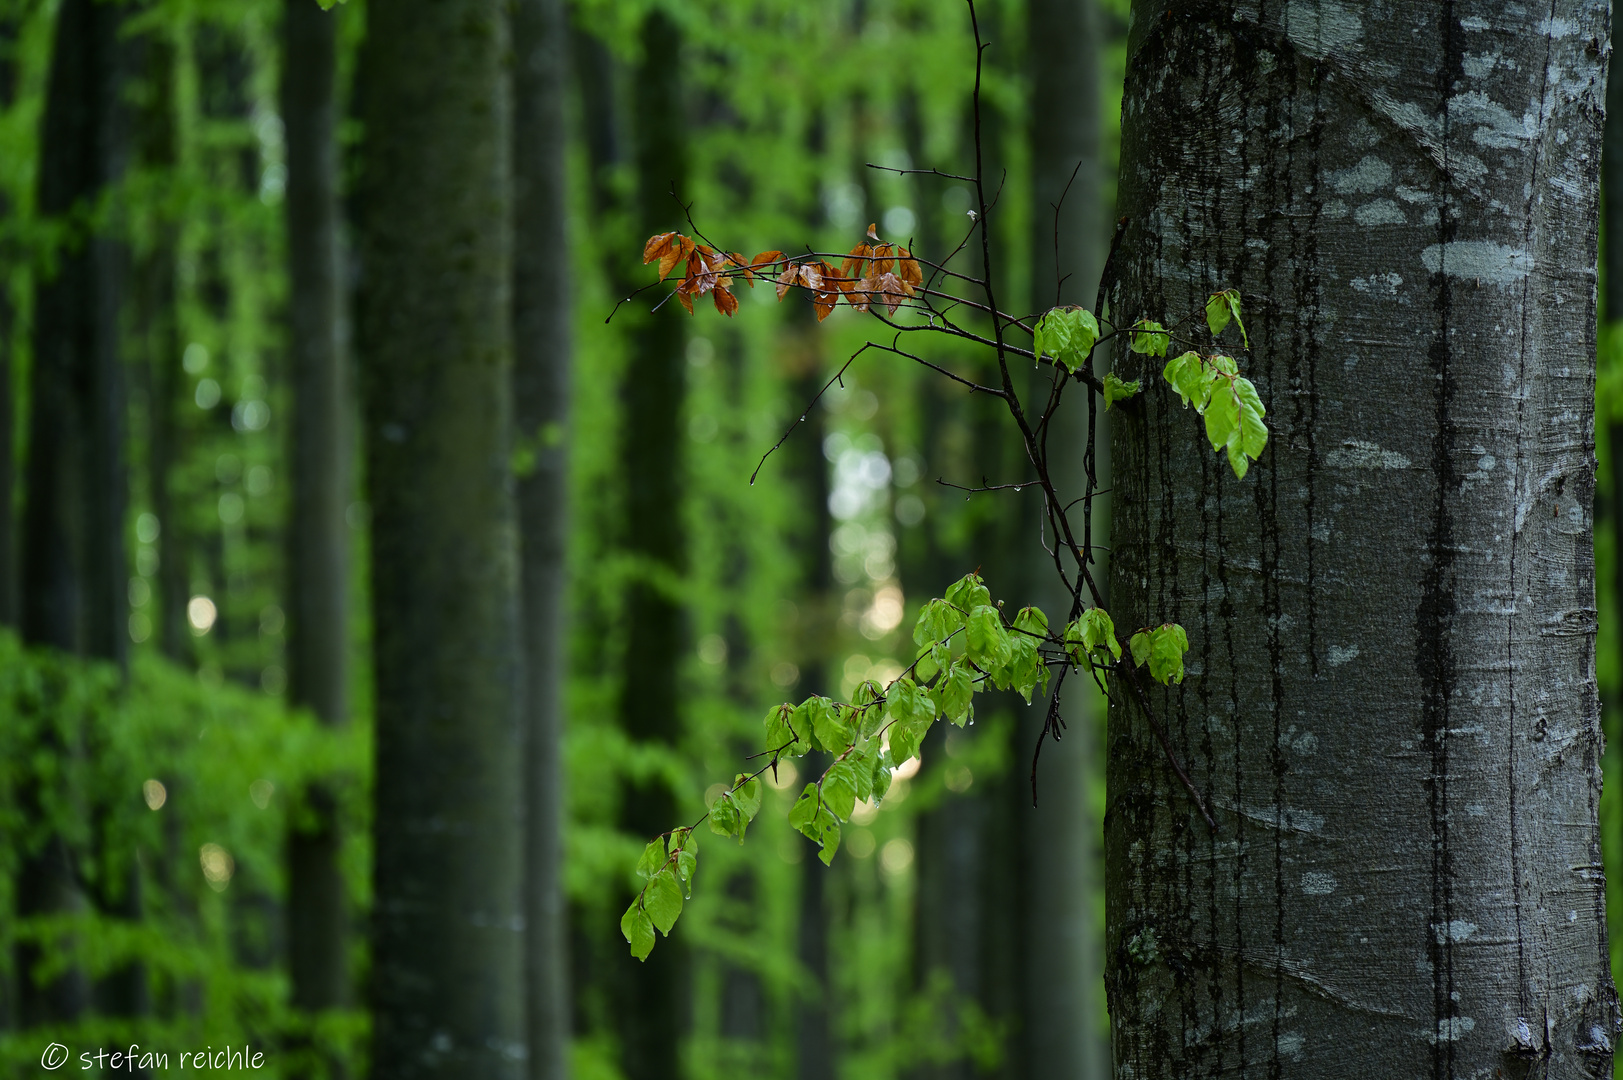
x=1305, y=743
x=1316, y=884
x=1379, y=212
x=1321, y=27
x=1486, y=462
x=1337, y=655
x=1478, y=261
x=1368, y=176
x=1478, y=65
x=1453, y=930
x=1378, y=284
x=1334, y=210
x=1356, y=454
x=1290, y=1044
x=1477, y=810
x=1451, y=1029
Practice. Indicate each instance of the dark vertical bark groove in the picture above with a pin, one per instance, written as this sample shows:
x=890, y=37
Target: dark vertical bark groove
x=1391, y=696
x=541, y=351
x=652, y=1012
x=435, y=336
x=318, y=538
x=1061, y=1009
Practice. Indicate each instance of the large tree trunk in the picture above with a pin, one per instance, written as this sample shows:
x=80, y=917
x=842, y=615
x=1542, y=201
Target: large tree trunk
x=435, y=336
x=541, y=350
x=1061, y=1034
x=73, y=569
x=318, y=537
x=653, y=1011
x=1390, y=706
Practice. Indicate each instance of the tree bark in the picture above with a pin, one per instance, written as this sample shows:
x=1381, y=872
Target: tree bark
x=1061, y=1032
x=1390, y=706
x=542, y=348
x=9, y=43
x=73, y=571
x=435, y=334
x=653, y=1013
x=318, y=537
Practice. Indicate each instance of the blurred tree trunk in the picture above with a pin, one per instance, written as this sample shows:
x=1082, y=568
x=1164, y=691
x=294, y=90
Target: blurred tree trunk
x=1390, y=705
x=73, y=569
x=654, y=1008
x=541, y=374
x=435, y=336
x=1061, y=1034
x=158, y=320
x=1611, y=312
x=9, y=263
x=318, y=537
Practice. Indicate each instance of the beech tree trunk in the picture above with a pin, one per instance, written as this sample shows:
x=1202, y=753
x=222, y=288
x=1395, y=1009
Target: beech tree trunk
x=652, y=1012
x=1390, y=706
x=1061, y=1032
x=8, y=327
x=541, y=347
x=435, y=335
x=318, y=537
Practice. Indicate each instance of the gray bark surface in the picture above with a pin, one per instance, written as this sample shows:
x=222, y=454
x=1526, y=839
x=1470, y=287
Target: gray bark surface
x=1061, y=1031
x=1391, y=705
x=318, y=537
x=541, y=372
x=435, y=336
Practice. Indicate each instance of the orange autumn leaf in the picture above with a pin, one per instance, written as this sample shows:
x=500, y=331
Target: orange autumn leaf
x=657, y=245
x=856, y=263
x=907, y=267
x=686, y=299
x=766, y=258
x=787, y=279
x=873, y=232
x=824, y=303
x=726, y=302
x=892, y=290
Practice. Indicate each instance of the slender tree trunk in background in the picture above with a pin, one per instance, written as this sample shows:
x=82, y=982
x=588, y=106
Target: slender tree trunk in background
x=8, y=328
x=1061, y=1000
x=318, y=537
x=1611, y=306
x=1390, y=705
x=653, y=1010
x=541, y=373
x=435, y=336
x=158, y=320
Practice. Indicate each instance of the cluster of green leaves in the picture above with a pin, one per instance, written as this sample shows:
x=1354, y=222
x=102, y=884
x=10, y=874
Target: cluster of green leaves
x=1228, y=401
x=966, y=645
x=1068, y=334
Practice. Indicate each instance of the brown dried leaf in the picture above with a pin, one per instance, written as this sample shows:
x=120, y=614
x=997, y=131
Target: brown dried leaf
x=860, y=296
x=883, y=261
x=873, y=232
x=766, y=258
x=787, y=279
x=738, y=264
x=686, y=297
x=908, y=267
x=856, y=263
x=668, y=260
x=726, y=302
x=892, y=291
x=824, y=303
x=657, y=246
x=811, y=274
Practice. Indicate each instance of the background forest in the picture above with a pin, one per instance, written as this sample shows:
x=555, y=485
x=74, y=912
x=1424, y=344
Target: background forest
x=187, y=764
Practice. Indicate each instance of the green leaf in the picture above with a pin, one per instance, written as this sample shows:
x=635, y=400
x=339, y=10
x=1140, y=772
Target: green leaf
x=1220, y=308
x=687, y=859
x=1222, y=414
x=1149, y=337
x=966, y=594
x=1192, y=378
x=663, y=901
x=783, y=735
x=955, y=691
x=1099, y=631
x=726, y=819
x=746, y=795
x=861, y=761
x=988, y=641
x=1031, y=620
x=1140, y=644
x=1116, y=390
x=1168, y=643
x=638, y=929
x=1253, y=432
x=830, y=724
x=803, y=814
x=882, y=764
x=653, y=858
x=1066, y=334
x=831, y=844
x=840, y=789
